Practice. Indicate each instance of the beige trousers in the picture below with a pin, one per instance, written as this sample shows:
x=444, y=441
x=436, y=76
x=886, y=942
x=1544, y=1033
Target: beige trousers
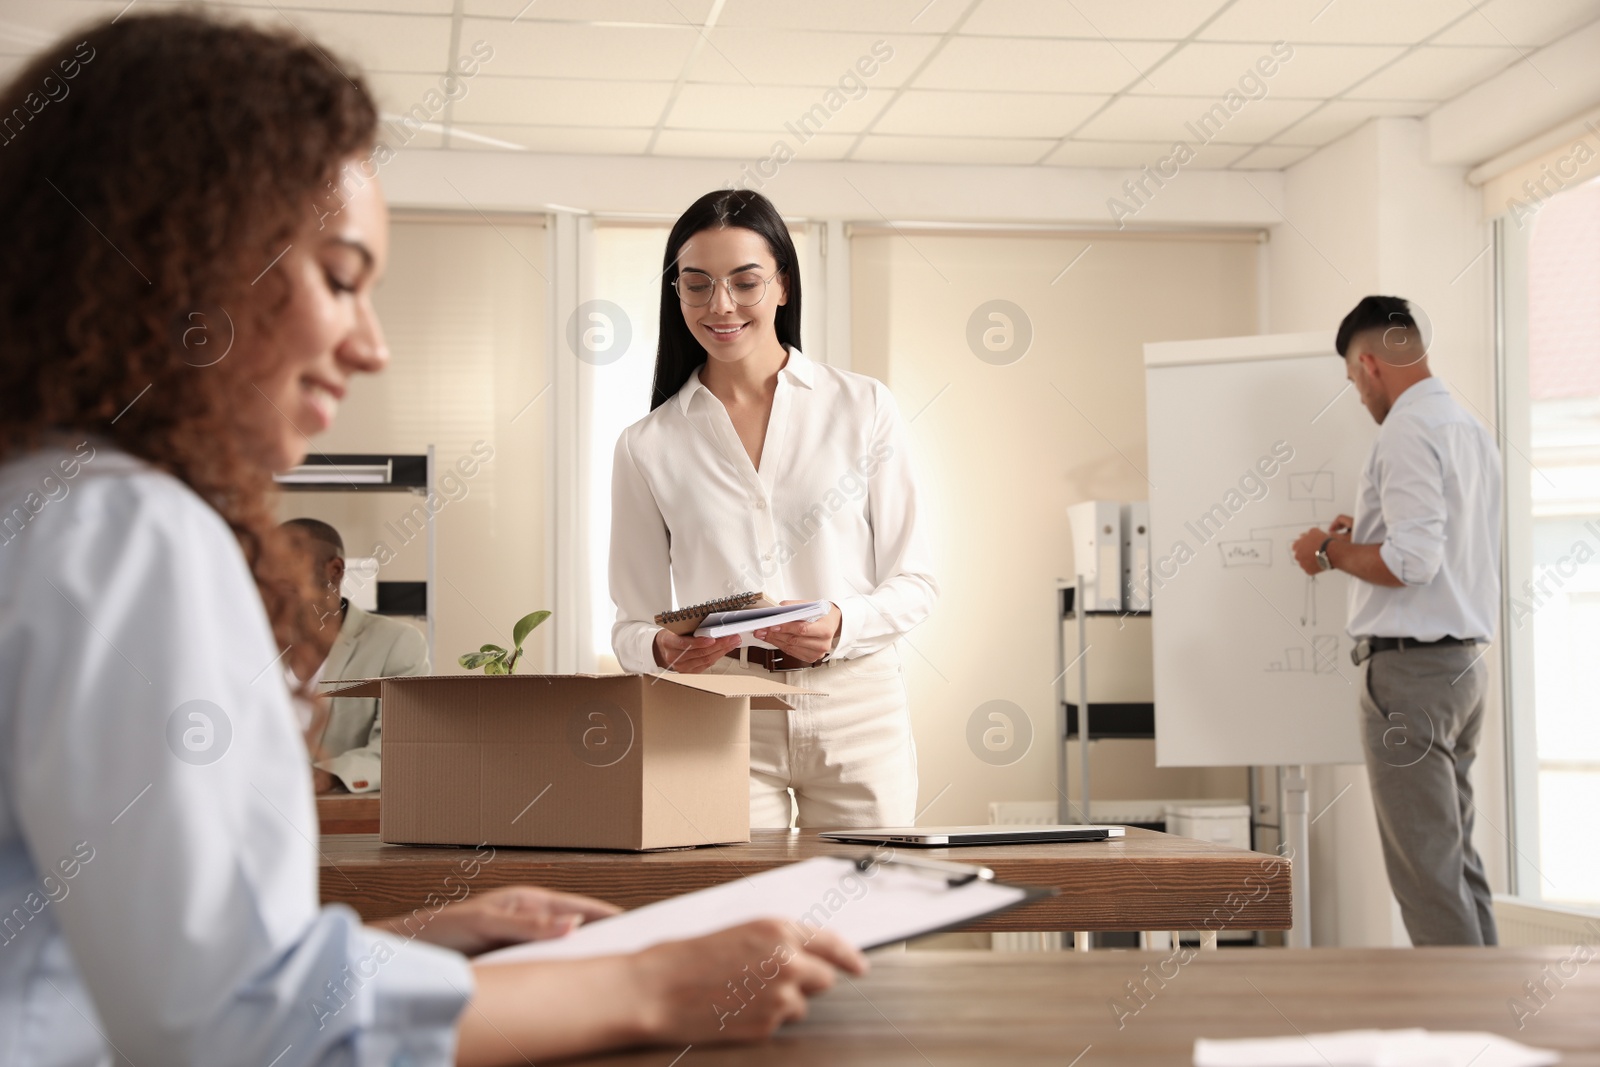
x=848, y=756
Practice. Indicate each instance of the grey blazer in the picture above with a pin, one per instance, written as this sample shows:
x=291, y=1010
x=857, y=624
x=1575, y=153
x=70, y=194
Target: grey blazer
x=368, y=646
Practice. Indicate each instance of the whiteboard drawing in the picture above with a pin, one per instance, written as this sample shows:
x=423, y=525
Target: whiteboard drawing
x=1323, y=658
x=1256, y=552
x=1318, y=485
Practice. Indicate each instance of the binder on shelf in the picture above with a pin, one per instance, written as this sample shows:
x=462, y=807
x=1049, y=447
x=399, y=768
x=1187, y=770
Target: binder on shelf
x=1136, y=580
x=1097, y=552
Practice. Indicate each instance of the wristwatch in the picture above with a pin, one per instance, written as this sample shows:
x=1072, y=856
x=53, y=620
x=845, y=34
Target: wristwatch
x=1322, y=555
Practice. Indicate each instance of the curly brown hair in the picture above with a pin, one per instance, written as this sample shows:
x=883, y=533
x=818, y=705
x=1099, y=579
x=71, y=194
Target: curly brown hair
x=151, y=168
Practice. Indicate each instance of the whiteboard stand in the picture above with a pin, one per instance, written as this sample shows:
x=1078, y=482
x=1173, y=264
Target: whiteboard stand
x=1297, y=835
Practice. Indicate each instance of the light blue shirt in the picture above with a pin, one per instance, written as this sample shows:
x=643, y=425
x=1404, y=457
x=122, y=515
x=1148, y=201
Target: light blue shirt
x=1430, y=495
x=158, y=836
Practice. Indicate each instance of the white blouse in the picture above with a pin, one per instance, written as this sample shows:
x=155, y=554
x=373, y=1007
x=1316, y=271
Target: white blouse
x=158, y=836
x=833, y=513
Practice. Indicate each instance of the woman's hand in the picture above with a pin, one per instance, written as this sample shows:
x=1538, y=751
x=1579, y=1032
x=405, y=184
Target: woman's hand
x=509, y=915
x=691, y=655
x=739, y=984
x=805, y=641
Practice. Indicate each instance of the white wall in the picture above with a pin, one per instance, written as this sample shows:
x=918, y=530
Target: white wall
x=1002, y=449
x=1370, y=214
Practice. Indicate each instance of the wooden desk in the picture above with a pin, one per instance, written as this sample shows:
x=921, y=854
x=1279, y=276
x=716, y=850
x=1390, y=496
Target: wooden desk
x=979, y=1008
x=348, y=813
x=1145, y=881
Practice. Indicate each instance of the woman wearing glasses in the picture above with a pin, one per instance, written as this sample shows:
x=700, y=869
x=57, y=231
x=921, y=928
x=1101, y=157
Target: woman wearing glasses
x=760, y=470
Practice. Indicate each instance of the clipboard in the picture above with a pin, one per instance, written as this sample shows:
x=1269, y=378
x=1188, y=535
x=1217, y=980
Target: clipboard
x=870, y=902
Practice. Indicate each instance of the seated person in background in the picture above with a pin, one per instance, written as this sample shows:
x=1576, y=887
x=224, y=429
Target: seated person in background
x=345, y=741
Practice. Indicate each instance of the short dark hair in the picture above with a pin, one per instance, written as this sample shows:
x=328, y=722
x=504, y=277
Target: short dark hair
x=317, y=530
x=1374, y=313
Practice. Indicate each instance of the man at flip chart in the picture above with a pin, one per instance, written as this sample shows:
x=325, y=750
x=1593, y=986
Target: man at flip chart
x=1424, y=552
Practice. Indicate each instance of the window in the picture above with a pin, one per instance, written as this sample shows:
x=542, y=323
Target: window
x=1551, y=375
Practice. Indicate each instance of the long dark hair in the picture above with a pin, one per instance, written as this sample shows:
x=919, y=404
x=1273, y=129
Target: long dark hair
x=176, y=154
x=678, y=354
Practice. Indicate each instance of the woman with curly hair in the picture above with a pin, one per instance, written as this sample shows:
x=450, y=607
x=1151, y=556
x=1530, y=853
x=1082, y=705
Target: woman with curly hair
x=194, y=232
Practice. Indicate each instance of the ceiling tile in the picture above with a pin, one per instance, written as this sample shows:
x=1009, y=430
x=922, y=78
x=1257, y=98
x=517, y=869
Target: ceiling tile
x=1309, y=71
x=665, y=12
x=1137, y=154
x=744, y=107
x=574, y=50
x=1271, y=157
x=575, y=140
x=1150, y=19
x=934, y=112
x=29, y=28
x=562, y=102
x=978, y=150
x=1334, y=21
x=377, y=42
x=399, y=93
x=803, y=57
x=878, y=16
x=1048, y=66
x=1166, y=119
x=419, y=138
x=1503, y=22
x=747, y=146
x=1338, y=117
x=407, y=7
x=1436, y=73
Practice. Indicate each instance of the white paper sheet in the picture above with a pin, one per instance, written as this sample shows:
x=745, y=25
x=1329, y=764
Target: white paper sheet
x=728, y=623
x=879, y=907
x=1373, y=1048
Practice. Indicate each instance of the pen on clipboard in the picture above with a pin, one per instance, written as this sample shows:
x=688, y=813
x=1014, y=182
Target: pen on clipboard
x=952, y=874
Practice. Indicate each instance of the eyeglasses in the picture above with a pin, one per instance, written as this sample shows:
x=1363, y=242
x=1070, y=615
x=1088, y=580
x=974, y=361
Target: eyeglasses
x=745, y=289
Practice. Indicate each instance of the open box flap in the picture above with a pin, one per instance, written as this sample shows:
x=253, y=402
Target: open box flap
x=351, y=687
x=764, y=692
x=736, y=685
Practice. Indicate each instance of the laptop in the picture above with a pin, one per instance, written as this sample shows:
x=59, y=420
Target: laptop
x=951, y=836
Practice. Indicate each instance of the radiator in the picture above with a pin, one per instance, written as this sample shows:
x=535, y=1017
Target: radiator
x=1523, y=922
x=1026, y=813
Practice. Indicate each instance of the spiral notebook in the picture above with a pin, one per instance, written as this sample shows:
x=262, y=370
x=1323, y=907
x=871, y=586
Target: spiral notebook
x=687, y=620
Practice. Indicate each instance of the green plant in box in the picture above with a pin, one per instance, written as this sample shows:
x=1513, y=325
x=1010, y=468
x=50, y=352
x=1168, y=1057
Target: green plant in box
x=496, y=660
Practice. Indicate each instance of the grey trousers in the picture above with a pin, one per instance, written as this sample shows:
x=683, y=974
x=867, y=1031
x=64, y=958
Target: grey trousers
x=1421, y=711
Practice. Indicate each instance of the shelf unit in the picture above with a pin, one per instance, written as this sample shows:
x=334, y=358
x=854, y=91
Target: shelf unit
x=1091, y=721
x=379, y=473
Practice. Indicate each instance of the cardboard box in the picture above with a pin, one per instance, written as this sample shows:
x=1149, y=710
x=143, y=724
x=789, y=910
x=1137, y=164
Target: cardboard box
x=624, y=761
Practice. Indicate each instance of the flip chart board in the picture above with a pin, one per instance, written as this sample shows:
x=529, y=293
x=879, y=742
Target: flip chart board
x=1253, y=441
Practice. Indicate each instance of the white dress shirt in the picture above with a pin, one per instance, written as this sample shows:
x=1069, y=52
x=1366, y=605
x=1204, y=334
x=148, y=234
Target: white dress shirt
x=1430, y=496
x=832, y=514
x=158, y=857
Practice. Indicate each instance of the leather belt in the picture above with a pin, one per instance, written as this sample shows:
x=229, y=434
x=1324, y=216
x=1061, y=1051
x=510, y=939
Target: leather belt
x=773, y=659
x=1366, y=646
